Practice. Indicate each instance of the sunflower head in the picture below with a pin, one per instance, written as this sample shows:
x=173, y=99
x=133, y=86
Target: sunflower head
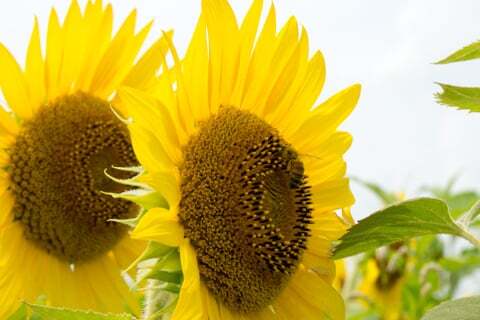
x=253, y=173
x=58, y=139
x=57, y=183
x=245, y=206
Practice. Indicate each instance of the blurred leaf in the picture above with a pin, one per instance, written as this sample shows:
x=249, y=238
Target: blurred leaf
x=460, y=309
x=470, y=52
x=51, y=313
x=461, y=202
x=464, y=98
x=467, y=262
x=408, y=219
x=458, y=202
x=385, y=196
x=20, y=314
x=467, y=219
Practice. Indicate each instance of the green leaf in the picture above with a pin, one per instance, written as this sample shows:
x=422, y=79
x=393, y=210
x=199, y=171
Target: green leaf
x=408, y=219
x=468, y=218
x=466, y=263
x=461, y=202
x=386, y=197
x=470, y=52
x=464, y=98
x=460, y=309
x=20, y=314
x=52, y=313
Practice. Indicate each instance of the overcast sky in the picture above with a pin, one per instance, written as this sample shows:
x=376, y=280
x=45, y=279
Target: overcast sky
x=402, y=138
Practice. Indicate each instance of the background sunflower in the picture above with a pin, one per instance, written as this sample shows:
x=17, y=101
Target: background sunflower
x=57, y=136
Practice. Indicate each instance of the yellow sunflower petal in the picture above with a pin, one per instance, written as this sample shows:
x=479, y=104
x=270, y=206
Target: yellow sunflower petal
x=126, y=251
x=323, y=267
x=165, y=183
x=160, y=225
x=3, y=161
x=106, y=280
x=307, y=94
x=248, y=31
x=210, y=304
x=308, y=297
x=268, y=74
x=328, y=225
x=330, y=195
x=143, y=72
x=73, y=48
x=336, y=145
x=53, y=60
x=327, y=116
x=8, y=128
x=13, y=84
x=261, y=57
x=98, y=23
x=9, y=299
x=321, y=171
x=196, y=71
x=182, y=98
x=287, y=77
x=35, y=69
x=149, y=150
x=119, y=57
x=6, y=203
x=223, y=31
x=190, y=303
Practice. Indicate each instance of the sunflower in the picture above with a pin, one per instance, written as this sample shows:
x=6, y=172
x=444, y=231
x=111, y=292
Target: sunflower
x=57, y=136
x=253, y=175
x=384, y=277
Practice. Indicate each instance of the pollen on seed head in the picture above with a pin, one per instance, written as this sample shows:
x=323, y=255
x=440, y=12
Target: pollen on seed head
x=246, y=198
x=57, y=178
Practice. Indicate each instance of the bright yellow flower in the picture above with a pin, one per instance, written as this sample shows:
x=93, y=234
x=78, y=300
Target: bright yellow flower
x=57, y=137
x=383, y=281
x=341, y=275
x=228, y=137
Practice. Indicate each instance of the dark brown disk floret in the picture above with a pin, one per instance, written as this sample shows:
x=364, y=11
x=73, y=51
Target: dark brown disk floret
x=57, y=177
x=246, y=206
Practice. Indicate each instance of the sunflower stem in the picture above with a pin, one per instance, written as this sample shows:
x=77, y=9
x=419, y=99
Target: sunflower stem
x=471, y=238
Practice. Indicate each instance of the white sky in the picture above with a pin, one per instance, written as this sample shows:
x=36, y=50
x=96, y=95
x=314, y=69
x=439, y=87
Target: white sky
x=402, y=138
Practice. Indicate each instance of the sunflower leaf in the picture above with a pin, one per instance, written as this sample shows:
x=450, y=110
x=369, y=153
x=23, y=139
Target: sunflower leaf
x=20, y=314
x=460, y=309
x=463, y=98
x=469, y=217
x=470, y=52
x=53, y=313
x=402, y=221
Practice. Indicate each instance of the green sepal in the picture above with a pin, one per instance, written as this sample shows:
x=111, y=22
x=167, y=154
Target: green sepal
x=166, y=269
x=153, y=250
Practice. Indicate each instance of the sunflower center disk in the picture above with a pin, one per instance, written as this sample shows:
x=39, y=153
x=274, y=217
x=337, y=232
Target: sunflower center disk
x=246, y=208
x=57, y=174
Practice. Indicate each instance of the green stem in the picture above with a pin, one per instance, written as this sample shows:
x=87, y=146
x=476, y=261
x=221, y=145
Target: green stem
x=470, y=237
